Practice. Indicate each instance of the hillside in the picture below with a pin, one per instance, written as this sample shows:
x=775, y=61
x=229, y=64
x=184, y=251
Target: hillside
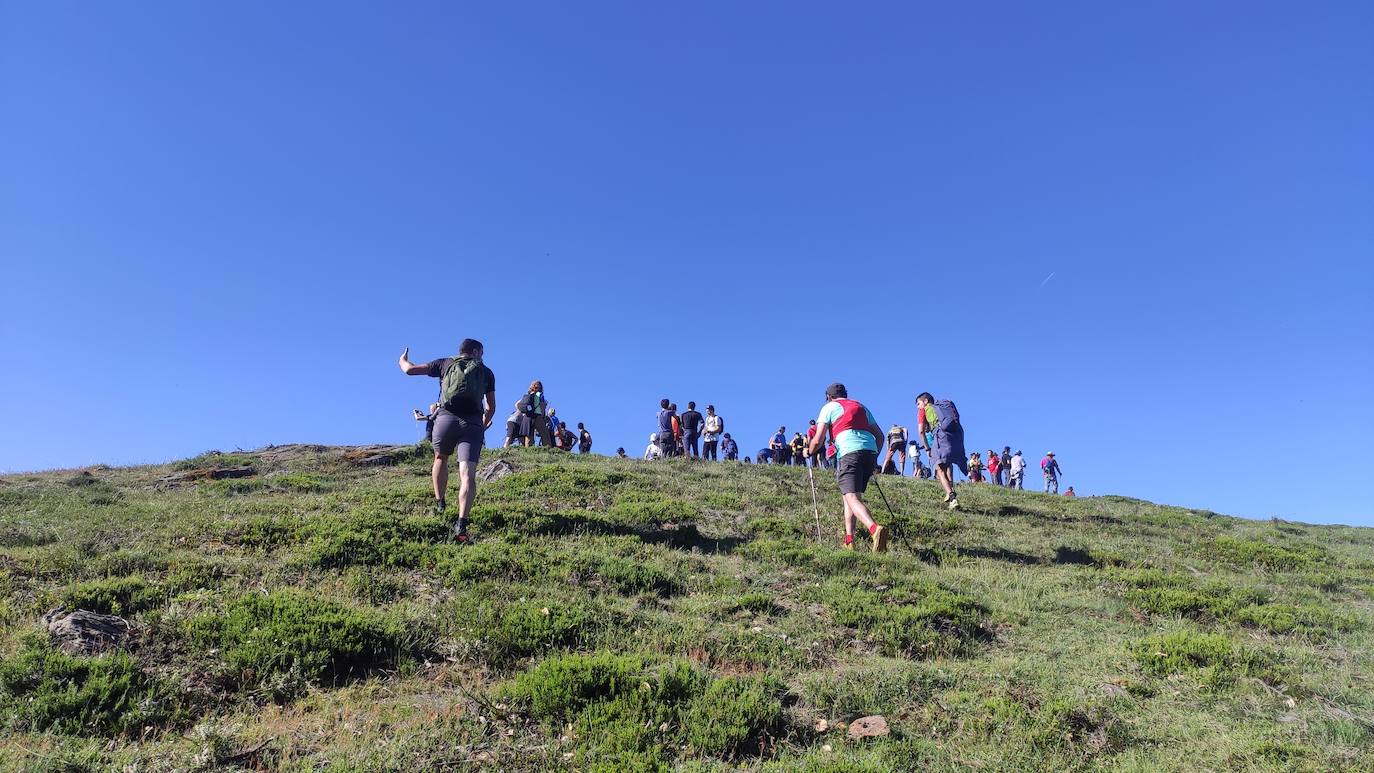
x=306, y=614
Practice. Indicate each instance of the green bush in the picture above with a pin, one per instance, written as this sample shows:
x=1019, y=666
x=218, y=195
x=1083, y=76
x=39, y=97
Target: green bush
x=627, y=575
x=375, y=587
x=375, y=538
x=44, y=690
x=211, y=460
x=514, y=629
x=731, y=713
x=645, y=509
x=911, y=617
x=1214, y=658
x=497, y=560
x=755, y=603
x=1254, y=552
x=1160, y=593
x=112, y=596
x=303, y=635
x=627, y=717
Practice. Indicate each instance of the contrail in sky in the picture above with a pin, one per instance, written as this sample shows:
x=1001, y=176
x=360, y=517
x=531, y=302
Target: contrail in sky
x=1047, y=279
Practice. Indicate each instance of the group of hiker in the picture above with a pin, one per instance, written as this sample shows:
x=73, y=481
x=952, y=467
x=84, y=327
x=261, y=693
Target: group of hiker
x=844, y=437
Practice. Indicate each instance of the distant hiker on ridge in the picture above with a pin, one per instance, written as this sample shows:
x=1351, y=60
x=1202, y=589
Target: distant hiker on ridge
x=975, y=468
x=1051, y=470
x=666, y=419
x=711, y=438
x=461, y=423
x=584, y=439
x=1006, y=465
x=729, y=447
x=514, y=432
x=994, y=467
x=777, y=446
x=533, y=406
x=1070, y=493
x=677, y=432
x=654, y=449
x=896, y=447
x=939, y=421
x=858, y=439
x=620, y=453
x=1018, y=471
x=691, y=430
x=797, y=449
x=555, y=428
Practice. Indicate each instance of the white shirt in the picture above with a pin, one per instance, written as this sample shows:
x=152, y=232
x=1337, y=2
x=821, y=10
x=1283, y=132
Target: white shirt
x=1018, y=465
x=712, y=427
x=653, y=452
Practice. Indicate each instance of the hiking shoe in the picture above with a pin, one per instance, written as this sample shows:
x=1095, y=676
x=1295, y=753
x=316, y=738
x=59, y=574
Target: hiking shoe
x=849, y=546
x=438, y=507
x=953, y=503
x=880, y=539
x=460, y=531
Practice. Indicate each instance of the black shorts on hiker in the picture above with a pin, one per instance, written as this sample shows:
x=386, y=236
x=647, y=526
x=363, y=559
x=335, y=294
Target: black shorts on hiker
x=855, y=470
x=461, y=434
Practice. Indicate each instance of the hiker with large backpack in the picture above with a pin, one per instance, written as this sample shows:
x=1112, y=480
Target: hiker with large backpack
x=667, y=418
x=467, y=404
x=896, y=446
x=938, y=423
x=1051, y=470
x=691, y=430
x=714, y=426
x=858, y=440
x=533, y=406
x=729, y=447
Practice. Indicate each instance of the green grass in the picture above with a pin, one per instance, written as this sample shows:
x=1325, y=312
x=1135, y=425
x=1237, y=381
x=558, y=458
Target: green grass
x=621, y=615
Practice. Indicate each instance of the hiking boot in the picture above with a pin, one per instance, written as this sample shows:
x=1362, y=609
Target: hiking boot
x=880, y=539
x=438, y=507
x=953, y=502
x=460, y=531
x=849, y=546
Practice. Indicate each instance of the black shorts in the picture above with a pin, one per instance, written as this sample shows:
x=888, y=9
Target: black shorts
x=462, y=434
x=854, y=471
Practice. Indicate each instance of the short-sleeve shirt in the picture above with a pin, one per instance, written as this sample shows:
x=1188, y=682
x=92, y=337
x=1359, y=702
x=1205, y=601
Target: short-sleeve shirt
x=850, y=440
x=465, y=407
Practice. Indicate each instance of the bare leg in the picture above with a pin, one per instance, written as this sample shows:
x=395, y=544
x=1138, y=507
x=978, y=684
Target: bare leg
x=945, y=474
x=440, y=476
x=854, y=507
x=467, y=488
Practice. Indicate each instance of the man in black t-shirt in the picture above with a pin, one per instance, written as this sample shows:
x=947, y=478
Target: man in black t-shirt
x=459, y=427
x=691, y=430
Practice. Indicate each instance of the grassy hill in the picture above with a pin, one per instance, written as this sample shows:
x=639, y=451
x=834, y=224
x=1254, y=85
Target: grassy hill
x=622, y=615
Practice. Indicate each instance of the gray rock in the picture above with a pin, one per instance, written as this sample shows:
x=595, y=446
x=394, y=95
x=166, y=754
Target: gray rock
x=496, y=470
x=85, y=633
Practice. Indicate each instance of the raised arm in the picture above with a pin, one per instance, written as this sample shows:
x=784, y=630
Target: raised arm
x=409, y=368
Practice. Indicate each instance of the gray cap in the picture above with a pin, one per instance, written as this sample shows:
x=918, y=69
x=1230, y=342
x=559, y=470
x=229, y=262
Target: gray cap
x=836, y=390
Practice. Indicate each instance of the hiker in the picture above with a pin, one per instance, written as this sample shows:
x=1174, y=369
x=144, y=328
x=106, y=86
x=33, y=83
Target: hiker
x=797, y=449
x=654, y=450
x=765, y=456
x=975, y=468
x=555, y=428
x=829, y=454
x=729, y=447
x=994, y=467
x=778, y=446
x=428, y=419
x=1006, y=465
x=584, y=439
x=856, y=435
x=814, y=461
x=1018, y=471
x=620, y=453
x=1070, y=493
x=566, y=439
x=691, y=431
x=533, y=405
x=517, y=428
x=1050, y=468
x=938, y=422
x=460, y=423
x=896, y=446
x=746, y=460
x=711, y=438
x=666, y=419
x=913, y=450
x=677, y=432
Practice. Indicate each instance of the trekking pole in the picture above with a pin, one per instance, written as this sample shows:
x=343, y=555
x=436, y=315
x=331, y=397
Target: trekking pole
x=891, y=515
x=815, y=505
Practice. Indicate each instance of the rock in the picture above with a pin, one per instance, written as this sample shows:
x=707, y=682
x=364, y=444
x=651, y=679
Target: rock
x=375, y=456
x=191, y=476
x=85, y=633
x=1113, y=690
x=868, y=727
x=496, y=470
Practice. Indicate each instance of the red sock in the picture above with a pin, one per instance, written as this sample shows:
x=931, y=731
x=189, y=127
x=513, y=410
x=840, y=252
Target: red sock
x=849, y=539
x=872, y=528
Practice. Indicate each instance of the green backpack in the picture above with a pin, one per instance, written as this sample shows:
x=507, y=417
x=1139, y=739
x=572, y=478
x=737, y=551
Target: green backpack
x=466, y=380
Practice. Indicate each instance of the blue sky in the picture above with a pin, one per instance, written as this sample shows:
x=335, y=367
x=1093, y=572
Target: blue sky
x=220, y=224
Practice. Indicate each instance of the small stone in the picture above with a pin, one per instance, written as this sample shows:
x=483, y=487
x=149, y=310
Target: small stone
x=868, y=727
x=822, y=726
x=827, y=748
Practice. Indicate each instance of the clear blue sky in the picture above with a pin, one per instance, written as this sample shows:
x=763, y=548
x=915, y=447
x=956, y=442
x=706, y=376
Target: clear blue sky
x=221, y=222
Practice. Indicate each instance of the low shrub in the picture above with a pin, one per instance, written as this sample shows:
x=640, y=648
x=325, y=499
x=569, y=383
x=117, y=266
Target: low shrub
x=1215, y=659
x=1162, y=593
x=45, y=690
x=310, y=638
x=211, y=460
x=112, y=596
x=626, y=716
x=1254, y=552
x=375, y=587
x=910, y=617
x=375, y=538
x=513, y=629
x=645, y=509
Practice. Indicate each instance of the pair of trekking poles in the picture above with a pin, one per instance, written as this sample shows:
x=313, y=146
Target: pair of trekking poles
x=816, y=505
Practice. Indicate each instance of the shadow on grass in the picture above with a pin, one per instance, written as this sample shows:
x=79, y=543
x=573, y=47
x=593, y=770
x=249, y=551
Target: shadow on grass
x=679, y=537
x=1001, y=554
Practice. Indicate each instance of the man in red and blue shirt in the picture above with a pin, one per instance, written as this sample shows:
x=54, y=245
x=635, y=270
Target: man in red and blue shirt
x=857, y=440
